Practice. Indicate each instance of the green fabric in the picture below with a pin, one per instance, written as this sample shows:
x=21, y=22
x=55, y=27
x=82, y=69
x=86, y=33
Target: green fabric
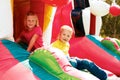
x=45, y=59
x=108, y=44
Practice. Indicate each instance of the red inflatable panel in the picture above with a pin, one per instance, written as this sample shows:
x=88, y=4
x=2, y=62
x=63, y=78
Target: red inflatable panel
x=84, y=48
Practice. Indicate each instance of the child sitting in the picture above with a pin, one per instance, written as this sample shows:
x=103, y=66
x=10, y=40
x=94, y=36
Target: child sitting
x=62, y=43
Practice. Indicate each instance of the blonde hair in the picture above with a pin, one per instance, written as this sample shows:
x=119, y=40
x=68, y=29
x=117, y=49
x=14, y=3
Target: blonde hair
x=66, y=27
x=31, y=13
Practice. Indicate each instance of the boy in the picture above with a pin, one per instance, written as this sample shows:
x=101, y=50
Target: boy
x=62, y=43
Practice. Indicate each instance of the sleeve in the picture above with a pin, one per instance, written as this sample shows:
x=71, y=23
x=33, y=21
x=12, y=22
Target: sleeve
x=38, y=31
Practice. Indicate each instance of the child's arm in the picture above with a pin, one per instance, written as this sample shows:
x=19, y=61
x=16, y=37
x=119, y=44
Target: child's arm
x=18, y=40
x=32, y=42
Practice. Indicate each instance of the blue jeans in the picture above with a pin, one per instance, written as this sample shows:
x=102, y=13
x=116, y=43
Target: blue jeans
x=82, y=64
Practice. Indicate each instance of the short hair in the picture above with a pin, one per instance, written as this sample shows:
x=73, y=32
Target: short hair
x=66, y=27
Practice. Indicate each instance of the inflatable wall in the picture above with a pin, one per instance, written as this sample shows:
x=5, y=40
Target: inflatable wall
x=6, y=20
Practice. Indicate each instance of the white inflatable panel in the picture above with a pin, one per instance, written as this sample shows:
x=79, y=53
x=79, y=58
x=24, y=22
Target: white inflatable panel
x=6, y=20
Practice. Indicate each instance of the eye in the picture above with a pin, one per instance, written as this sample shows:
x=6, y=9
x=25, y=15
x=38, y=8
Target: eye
x=64, y=34
x=33, y=20
x=28, y=20
x=68, y=35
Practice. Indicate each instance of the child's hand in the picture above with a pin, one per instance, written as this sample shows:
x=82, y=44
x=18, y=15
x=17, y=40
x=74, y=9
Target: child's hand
x=31, y=53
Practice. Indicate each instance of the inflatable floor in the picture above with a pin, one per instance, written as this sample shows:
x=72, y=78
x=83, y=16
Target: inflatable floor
x=16, y=64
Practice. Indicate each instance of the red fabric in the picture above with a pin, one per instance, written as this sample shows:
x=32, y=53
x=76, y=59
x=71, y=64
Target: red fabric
x=92, y=24
x=62, y=17
x=85, y=48
x=6, y=59
x=27, y=35
x=38, y=7
x=12, y=69
x=56, y=2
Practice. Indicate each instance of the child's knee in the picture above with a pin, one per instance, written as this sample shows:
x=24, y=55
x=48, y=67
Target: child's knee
x=73, y=62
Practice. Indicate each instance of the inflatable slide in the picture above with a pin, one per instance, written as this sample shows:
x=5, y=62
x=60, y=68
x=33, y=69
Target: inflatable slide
x=90, y=47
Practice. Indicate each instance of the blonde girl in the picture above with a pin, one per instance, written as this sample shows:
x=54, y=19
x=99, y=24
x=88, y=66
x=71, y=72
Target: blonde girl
x=31, y=37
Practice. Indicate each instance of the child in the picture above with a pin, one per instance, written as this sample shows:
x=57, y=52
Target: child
x=32, y=34
x=62, y=43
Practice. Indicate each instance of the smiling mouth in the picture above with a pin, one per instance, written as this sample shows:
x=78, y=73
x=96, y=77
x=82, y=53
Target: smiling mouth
x=65, y=39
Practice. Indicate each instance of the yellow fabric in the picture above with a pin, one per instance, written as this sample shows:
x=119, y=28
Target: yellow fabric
x=49, y=12
x=62, y=46
x=47, y=16
x=12, y=5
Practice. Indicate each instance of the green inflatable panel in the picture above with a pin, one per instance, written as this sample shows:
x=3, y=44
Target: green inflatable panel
x=111, y=45
x=45, y=59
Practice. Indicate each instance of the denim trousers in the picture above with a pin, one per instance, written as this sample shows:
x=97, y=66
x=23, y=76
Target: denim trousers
x=85, y=64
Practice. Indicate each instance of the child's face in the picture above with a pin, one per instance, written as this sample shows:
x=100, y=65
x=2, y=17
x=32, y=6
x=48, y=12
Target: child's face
x=65, y=35
x=31, y=21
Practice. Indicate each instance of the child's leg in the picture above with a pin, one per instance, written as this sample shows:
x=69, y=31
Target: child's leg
x=23, y=45
x=92, y=68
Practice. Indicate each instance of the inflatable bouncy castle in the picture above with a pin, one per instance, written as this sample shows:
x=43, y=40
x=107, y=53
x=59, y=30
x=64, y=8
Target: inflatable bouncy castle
x=48, y=63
